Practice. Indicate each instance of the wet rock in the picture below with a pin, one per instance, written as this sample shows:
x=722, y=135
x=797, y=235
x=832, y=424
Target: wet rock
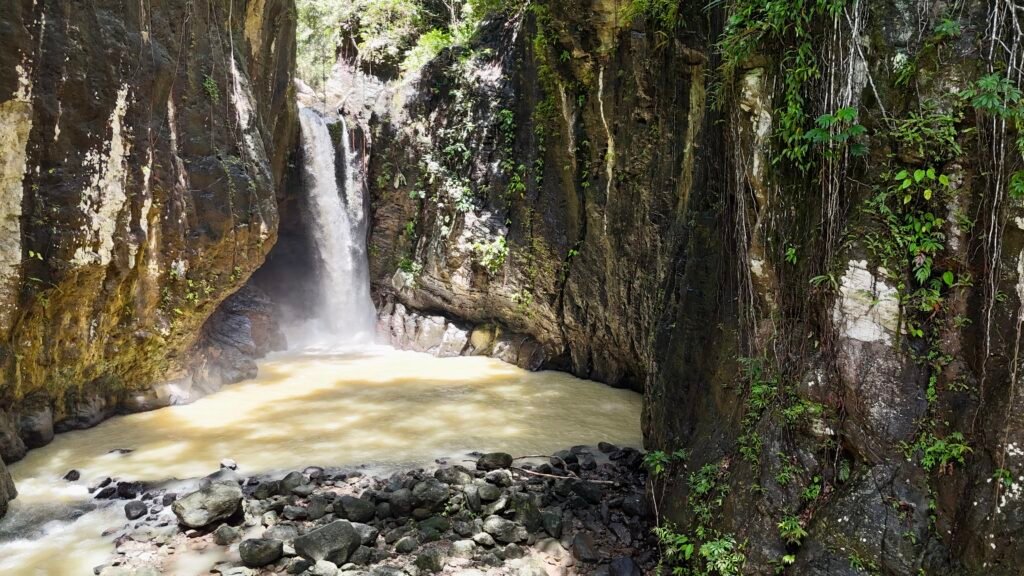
x=129, y=490
x=401, y=501
x=135, y=510
x=73, y=476
x=213, y=502
x=588, y=491
x=291, y=481
x=35, y=425
x=334, y=542
x=606, y=448
x=229, y=464
x=494, y=461
x=634, y=506
x=356, y=509
x=489, y=492
x=267, y=489
x=436, y=523
x=259, y=552
x=225, y=534
x=407, y=545
x=7, y=489
x=431, y=494
x=505, y=531
x=624, y=567
x=587, y=462
x=584, y=548
x=106, y=493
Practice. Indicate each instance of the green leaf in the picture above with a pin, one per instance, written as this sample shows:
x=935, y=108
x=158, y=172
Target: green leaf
x=928, y=194
x=931, y=173
x=901, y=175
x=919, y=175
x=948, y=278
x=944, y=180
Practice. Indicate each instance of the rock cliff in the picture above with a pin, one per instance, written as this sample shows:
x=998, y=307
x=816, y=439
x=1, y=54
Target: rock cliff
x=144, y=146
x=794, y=226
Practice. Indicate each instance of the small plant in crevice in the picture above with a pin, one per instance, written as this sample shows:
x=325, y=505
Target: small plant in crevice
x=658, y=462
x=211, y=89
x=791, y=530
x=491, y=255
x=941, y=454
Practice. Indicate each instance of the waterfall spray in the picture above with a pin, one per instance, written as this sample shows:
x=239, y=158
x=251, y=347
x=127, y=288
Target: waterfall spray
x=339, y=232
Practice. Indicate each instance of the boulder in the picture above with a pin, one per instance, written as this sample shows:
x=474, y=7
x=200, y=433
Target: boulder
x=334, y=542
x=505, y=531
x=259, y=552
x=401, y=502
x=584, y=548
x=456, y=476
x=431, y=494
x=213, y=502
x=625, y=567
x=225, y=534
x=367, y=534
x=494, y=461
x=431, y=561
x=406, y=545
x=135, y=509
x=356, y=509
x=35, y=425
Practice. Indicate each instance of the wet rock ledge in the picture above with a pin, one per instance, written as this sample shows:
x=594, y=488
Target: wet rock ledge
x=580, y=511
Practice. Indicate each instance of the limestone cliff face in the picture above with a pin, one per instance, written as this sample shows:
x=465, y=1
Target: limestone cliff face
x=143, y=146
x=835, y=350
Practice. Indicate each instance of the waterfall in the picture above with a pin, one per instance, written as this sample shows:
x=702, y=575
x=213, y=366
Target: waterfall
x=338, y=231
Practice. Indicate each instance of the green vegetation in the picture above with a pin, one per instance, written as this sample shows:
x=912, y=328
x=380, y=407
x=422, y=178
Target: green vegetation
x=211, y=89
x=791, y=531
x=388, y=36
x=492, y=255
x=664, y=13
x=769, y=26
x=657, y=461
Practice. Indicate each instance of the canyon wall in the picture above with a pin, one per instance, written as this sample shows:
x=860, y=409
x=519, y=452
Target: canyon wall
x=143, y=145
x=794, y=226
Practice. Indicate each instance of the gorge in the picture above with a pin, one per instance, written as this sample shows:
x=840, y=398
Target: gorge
x=780, y=240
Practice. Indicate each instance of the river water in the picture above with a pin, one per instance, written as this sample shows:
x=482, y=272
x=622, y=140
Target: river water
x=374, y=406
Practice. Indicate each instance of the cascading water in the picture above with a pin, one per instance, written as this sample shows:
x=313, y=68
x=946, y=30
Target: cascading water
x=339, y=232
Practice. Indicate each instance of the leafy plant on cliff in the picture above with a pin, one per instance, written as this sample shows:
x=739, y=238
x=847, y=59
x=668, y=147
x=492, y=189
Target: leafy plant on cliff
x=786, y=27
x=491, y=255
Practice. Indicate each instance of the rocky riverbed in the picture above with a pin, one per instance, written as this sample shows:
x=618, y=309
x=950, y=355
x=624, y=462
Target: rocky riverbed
x=579, y=511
